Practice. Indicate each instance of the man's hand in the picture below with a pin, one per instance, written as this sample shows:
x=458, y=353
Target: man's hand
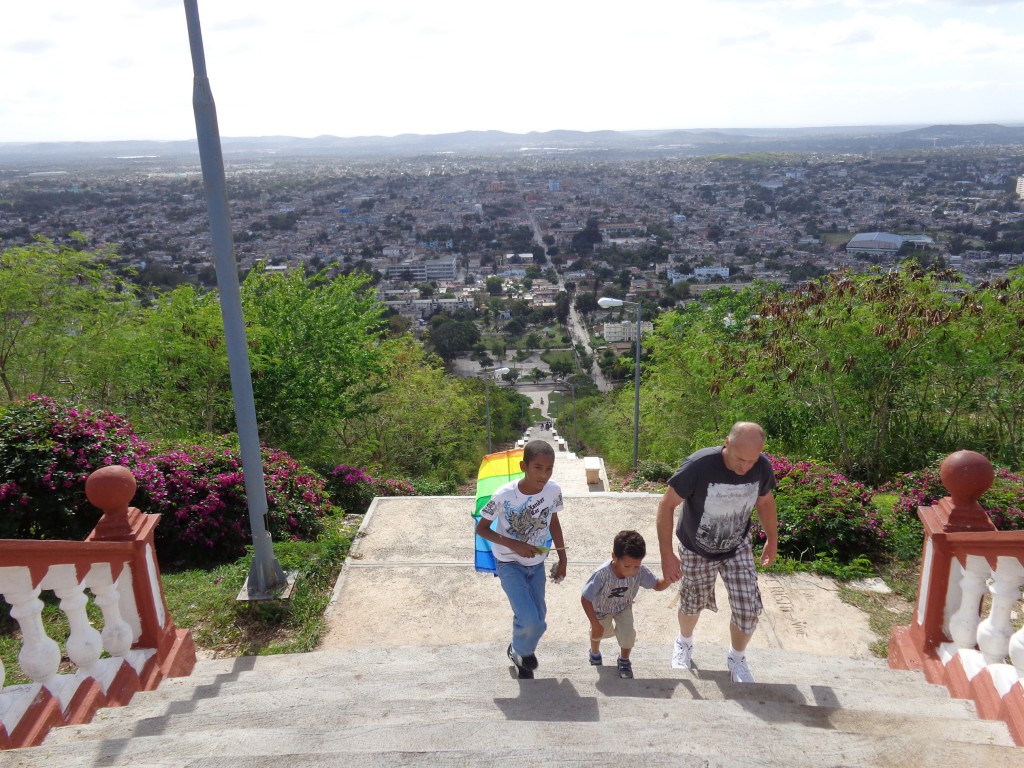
x=768, y=554
x=671, y=568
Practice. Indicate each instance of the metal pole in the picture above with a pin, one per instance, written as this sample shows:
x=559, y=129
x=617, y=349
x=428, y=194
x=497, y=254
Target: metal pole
x=487, y=399
x=266, y=573
x=636, y=394
x=575, y=436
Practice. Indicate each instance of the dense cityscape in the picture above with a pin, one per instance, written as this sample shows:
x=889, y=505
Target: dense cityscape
x=450, y=232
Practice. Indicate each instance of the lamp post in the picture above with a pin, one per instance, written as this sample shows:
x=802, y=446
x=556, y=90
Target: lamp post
x=607, y=302
x=488, y=375
x=572, y=392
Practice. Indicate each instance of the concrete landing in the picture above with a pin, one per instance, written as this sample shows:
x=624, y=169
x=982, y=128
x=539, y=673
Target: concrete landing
x=409, y=580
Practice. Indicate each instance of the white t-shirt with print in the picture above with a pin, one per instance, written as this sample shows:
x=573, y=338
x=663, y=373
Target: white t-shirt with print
x=526, y=517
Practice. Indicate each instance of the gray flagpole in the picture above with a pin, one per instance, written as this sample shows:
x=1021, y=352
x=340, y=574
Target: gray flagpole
x=266, y=577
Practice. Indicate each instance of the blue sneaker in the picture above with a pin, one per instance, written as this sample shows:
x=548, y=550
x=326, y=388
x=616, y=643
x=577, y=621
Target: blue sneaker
x=595, y=659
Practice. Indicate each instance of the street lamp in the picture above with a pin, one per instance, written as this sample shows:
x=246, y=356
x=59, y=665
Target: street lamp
x=572, y=391
x=607, y=302
x=488, y=375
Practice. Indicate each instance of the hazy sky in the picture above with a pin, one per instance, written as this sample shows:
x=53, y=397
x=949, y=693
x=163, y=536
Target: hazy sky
x=121, y=69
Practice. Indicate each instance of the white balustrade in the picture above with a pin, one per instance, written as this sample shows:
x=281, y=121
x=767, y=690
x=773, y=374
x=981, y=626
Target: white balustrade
x=84, y=644
x=963, y=624
x=995, y=631
x=1016, y=652
x=117, y=633
x=40, y=655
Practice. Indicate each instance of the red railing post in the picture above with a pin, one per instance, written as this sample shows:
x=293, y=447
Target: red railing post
x=111, y=489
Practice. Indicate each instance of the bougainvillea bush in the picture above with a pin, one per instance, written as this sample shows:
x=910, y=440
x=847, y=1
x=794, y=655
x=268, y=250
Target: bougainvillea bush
x=1004, y=502
x=352, y=489
x=822, y=514
x=47, y=449
x=203, y=501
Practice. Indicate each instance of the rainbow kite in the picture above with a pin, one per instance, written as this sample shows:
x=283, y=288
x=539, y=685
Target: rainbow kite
x=496, y=469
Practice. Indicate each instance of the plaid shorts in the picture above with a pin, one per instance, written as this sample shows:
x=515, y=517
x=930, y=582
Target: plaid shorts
x=697, y=587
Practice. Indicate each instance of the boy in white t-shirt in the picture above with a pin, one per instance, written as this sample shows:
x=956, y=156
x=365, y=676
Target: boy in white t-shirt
x=608, y=597
x=526, y=511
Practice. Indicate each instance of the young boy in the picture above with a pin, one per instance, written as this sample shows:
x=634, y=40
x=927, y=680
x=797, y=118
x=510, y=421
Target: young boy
x=608, y=597
x=527, y=513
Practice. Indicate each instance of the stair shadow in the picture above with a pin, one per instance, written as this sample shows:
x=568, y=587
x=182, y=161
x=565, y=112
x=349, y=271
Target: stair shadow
x=770, y=702
x=549, y=700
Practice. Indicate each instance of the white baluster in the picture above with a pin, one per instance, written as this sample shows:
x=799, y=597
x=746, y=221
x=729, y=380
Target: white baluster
x=84, y=644
x=1016, y=652
x=963, y=624
x=995, y=631
x=40, y=655
x=117, y=635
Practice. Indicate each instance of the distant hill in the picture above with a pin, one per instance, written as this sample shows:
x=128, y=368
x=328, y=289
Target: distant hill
x=605, y=143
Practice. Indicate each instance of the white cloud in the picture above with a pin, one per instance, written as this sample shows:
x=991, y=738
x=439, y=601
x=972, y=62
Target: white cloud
x=122, y=68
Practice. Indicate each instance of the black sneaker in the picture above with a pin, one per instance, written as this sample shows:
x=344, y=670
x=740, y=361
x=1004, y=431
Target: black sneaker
x=530, y=662
x=625, y=668
x=520, y=663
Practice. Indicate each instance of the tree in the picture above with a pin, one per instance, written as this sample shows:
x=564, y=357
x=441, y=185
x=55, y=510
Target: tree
x=494, y=286
x=425, y=424
x=586, y=303
x=174, y=379
x=318, y=354
x=583, y=242
x=58, y=308
x=560, y=368
x=453, y=336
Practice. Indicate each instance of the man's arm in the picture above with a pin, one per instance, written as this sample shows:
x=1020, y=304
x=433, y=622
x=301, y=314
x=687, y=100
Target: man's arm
x=768, y=516
x=670, y=567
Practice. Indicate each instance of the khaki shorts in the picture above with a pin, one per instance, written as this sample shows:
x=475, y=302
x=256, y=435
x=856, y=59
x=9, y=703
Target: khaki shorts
x=620, y=626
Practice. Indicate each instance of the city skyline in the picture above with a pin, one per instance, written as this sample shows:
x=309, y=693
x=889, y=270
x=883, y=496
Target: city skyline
x=122, y=70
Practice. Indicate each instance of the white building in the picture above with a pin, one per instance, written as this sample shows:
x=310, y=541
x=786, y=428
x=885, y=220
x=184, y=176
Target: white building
x=429, y=269
x=625, y=331
x=705, y=274
x=875, y=244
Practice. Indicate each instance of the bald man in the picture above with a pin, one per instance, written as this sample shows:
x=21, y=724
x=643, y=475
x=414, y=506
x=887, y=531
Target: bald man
x=719, y=489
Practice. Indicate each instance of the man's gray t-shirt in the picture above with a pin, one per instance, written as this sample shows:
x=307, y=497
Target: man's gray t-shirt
x=717, y=503
x=610, y=594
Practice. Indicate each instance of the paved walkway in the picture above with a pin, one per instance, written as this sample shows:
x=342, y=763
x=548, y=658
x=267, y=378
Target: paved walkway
x=409, y=580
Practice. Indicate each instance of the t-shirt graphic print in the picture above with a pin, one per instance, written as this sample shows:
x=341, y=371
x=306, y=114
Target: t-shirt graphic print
x=727, y=510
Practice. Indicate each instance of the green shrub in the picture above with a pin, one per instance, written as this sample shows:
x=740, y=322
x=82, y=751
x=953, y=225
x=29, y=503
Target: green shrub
x=655, y=471
x=47, y=449
x=205, y=508
x=1004, y=502
x=352, y=489
x=823, y=516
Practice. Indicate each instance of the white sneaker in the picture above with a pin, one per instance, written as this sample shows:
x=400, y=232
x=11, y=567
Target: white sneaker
x=739, y=670
x=681, y=655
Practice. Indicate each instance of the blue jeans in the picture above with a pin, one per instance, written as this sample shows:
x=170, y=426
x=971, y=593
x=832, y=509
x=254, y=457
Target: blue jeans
x=524, y=586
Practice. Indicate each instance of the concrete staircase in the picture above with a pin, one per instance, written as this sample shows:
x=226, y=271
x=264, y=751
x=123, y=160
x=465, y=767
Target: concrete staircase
x=461, y=706
x=412, y=671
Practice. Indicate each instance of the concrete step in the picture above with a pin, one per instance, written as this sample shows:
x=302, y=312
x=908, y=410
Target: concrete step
x=421, y=673
x=461, y=706
x=610, y=701
x=766, y=737
x=557, y=657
